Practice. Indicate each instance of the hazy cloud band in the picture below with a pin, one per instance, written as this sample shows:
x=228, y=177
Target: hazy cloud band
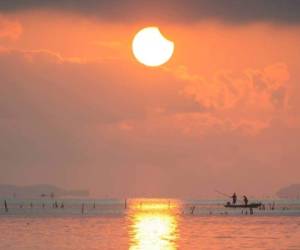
x=234, y=11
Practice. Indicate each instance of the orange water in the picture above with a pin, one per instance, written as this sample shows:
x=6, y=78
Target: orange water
x=150, y=227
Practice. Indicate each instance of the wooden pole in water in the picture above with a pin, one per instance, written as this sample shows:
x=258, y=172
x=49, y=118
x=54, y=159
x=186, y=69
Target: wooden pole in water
x=125, y=204
x=82, y=208
x=251, y=210
x=5, y=206
x=193, y=209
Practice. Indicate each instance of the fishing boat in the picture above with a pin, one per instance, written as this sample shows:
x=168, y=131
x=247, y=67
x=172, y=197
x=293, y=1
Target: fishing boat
x=250, y=205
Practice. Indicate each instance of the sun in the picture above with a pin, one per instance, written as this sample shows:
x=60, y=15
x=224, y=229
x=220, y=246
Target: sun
x=151, y=48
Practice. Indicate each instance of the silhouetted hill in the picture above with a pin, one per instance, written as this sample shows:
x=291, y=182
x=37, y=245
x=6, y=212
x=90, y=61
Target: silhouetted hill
x=37, y=191
x=289, y=192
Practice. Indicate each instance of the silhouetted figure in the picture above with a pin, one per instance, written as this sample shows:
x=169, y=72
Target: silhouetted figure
x=234, y=198
x=5, y=206
x=245, y=200
x=62, y=205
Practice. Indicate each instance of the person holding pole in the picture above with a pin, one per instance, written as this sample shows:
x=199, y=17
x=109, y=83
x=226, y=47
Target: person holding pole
x=234, y=198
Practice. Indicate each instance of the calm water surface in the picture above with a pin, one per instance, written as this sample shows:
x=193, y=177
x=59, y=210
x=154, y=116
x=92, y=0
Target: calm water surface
x=146, y=225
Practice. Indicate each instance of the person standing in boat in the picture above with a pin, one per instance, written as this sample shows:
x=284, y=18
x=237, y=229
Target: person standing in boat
x=245, y=200
x=234, y=198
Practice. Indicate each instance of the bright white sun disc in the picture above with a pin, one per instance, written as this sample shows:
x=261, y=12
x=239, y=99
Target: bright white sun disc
x=151, y=48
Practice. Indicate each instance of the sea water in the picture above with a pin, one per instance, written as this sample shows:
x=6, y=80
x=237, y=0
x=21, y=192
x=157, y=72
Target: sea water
x=146, y=224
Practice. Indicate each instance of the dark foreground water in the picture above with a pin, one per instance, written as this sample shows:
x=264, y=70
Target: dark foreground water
x=146, y=225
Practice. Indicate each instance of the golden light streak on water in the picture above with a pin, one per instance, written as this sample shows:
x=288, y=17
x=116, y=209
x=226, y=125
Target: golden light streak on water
x=154, y=226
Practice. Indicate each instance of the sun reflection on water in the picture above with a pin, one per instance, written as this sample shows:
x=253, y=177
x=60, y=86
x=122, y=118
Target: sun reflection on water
x=154, y=225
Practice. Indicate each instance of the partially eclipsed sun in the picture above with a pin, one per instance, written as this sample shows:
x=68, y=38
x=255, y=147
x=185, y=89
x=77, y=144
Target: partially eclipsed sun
x=151, y=48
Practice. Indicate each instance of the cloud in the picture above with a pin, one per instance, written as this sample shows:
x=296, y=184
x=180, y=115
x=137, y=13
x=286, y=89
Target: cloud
x=48, y=85
x=183, y=11
x=81, y=124
x=263, y=90
x=243, y=102
x=9, y=28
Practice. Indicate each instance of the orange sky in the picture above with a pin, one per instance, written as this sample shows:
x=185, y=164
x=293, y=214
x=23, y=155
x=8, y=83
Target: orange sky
x=77, y=110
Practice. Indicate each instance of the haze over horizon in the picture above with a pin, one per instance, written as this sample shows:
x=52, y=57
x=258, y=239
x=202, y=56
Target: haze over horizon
x=78, y=111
